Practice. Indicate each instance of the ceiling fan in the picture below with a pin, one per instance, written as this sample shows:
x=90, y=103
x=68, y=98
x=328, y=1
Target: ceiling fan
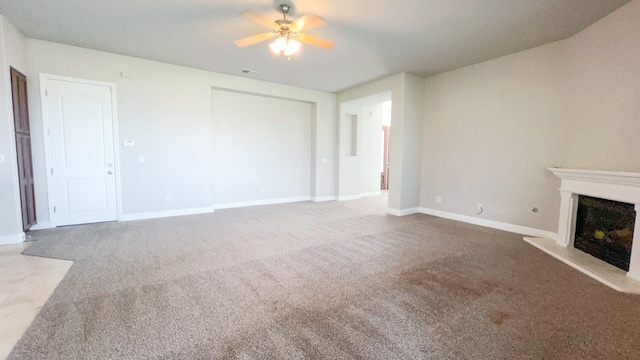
x=288, y=32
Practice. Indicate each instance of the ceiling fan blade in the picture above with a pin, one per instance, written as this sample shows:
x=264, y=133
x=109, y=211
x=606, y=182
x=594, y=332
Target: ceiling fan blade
x=315, y=41
x=307, y=22
x=258, y=18
x=251, y=40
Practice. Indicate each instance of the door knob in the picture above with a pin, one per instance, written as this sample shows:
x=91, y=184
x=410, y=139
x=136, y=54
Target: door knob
x=110, y=172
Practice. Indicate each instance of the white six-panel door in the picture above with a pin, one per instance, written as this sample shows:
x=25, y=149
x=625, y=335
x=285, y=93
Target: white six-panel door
x=81, y=139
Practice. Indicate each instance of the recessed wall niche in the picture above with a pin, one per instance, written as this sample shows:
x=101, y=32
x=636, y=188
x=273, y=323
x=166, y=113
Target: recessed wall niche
x=350, y=135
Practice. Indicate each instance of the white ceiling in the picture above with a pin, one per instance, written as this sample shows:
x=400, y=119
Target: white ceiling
x=372, y=38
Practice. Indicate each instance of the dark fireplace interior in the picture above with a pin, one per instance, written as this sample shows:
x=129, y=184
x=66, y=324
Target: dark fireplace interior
x=604, y=229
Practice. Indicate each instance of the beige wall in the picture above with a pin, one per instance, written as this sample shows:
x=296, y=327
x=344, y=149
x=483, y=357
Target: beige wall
x=261, y=152
x=411, y=140
x=604, y=101
x=167, y=110
x=12, y=54
x=371, y=145
x=492, y=129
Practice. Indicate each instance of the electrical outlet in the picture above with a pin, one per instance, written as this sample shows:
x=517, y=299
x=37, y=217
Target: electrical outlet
x=438, y=199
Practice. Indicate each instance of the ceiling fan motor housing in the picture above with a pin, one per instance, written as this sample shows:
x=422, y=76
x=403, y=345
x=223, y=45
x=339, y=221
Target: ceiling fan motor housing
x=286, y=30
x=284, y=22
x=284, y=8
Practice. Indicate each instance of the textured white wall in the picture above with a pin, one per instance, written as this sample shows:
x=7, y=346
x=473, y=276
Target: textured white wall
x=166, y=109
x=349, y=165
x=12, y=54
x=262, y=151
x=370, y=161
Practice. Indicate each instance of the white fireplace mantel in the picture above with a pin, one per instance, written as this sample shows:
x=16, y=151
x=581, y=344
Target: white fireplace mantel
x=618, y=186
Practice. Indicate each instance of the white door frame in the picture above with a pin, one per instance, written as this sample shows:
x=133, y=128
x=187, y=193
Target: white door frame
x=47, y=141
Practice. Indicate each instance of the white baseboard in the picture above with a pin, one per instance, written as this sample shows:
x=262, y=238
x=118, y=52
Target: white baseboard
x=349, y=197
x=12, y=239
x=261, y=202
x=402, y=212
x=491, y=223
x=166, y=213
x=323, y=198
x=42, y=225
x=374, y=193
x=345, y=198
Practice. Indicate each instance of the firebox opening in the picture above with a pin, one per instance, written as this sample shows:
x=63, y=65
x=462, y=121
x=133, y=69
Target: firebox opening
x=604, y=229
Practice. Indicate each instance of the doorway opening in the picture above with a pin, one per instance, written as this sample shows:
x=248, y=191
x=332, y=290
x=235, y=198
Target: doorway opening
x=364, y=163
x=386, y=132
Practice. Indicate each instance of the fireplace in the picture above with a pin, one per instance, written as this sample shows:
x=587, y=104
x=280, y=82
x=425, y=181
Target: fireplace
x=598, y=227
x=604, y=229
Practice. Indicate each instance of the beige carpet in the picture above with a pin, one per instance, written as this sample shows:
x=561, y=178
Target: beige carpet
x=319, y=280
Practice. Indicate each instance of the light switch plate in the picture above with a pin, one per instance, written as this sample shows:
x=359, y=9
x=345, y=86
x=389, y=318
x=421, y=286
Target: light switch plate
x=1, y=158
x=141, y=158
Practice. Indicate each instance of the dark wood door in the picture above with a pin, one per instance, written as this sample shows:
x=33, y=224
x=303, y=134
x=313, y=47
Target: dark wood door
x=23, y=148
x=384, y=175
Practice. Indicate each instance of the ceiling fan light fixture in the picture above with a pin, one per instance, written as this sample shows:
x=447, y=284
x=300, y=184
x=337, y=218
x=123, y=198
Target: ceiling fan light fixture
x=285, y=46
x=284, y=31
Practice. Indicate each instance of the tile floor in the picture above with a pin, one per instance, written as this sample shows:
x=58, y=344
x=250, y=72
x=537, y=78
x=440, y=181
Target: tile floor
x=26, y=282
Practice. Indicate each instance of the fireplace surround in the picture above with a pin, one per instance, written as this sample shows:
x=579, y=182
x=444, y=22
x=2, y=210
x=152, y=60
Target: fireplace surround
x=618, y=186
x=604, y=229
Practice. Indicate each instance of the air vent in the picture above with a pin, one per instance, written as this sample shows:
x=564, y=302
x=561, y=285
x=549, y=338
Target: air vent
x=247, y=71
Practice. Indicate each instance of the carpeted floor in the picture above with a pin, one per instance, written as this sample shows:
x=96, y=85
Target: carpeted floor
x=319, y=280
